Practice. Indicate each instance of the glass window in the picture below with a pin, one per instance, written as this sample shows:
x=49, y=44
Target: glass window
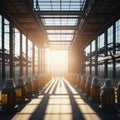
x=17, y=53
x=101, y=40
x=29, y=58
x=24, y=53
x=93, y=57
x=87, y=50
x=6, y=43
x=69, y=5
x=101, y=46
x=60, y=37
x=117, y=50
x=118, y=37
x=101, y=54
x=93, y=46
x=110, y=40
x=36, y=60
x=59, y=22
x=0, y=32
x=101, y=69
x=7, y=30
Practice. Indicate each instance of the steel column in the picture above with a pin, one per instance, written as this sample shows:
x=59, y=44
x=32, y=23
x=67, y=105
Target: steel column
x=3, y=51
x=21, y=56
x=96, y=57
x=11, y=74
x=90, y=60
x=114, y=51
x=106, y=61
x=26, y=57
x=38, y=61
x=33, y=59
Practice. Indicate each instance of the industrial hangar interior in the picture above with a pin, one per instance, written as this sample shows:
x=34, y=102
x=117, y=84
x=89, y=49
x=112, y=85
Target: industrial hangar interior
x=63, y=48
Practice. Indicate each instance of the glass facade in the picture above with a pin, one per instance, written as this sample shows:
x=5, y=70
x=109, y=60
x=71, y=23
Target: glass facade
x=6, y=46
x=108, y=46
x=118, y=37
x=17, y=38
x=0, y=47
x=117, y=73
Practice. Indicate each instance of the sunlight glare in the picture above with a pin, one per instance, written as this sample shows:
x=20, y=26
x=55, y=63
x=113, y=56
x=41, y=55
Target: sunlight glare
x=56, y=61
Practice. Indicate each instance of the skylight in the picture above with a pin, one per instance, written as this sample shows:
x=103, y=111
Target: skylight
x=60, y=37
x=60, y=18
x=60, y=31
x=60, y=22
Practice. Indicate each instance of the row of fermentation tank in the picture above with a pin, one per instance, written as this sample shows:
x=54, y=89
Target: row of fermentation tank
x=16, y=93
x=107, y=94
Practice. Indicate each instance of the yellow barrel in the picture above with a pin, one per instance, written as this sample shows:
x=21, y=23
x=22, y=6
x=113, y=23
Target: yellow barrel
x=95, y=89
x=35, y=82
x=8, y=95
x=118, y=93
x=107, y=95
x=29, y=88
x=83, y=81
x=88, y=85
x=20, y=91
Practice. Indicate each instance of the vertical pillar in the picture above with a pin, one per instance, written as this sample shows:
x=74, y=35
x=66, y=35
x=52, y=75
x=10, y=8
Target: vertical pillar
x=114, y=51
x=3, y=51
x=26, y=57
x=96, y=57
x=38, y=61
x=33, y=59
x=41, y=60
x=69, y=61
x=106, y=68
x=11, y=52
x=21, y=56
x=90, y=59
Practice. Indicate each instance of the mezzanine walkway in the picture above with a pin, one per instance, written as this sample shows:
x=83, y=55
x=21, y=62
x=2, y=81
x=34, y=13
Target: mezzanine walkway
x=59, y=100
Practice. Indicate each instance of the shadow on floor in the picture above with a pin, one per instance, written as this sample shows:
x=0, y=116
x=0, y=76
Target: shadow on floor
x=59, y=101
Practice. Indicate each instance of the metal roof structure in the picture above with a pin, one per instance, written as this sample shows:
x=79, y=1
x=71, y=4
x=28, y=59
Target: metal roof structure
x=61, y=23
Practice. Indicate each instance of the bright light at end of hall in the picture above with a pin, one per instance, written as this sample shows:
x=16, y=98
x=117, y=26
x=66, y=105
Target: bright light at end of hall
x=57, y=61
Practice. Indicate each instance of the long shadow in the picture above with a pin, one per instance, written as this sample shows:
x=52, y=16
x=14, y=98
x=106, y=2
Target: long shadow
x=104, y=114
x=77, y=115
x=55, y=87
x=39, y=113
x=9, y=114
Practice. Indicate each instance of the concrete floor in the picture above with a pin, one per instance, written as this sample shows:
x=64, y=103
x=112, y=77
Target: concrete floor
x=59, y=100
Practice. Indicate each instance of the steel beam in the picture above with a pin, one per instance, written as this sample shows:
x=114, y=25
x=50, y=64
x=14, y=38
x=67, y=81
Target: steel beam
x=80, y=13
x=60, y=27
x=11, y=74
